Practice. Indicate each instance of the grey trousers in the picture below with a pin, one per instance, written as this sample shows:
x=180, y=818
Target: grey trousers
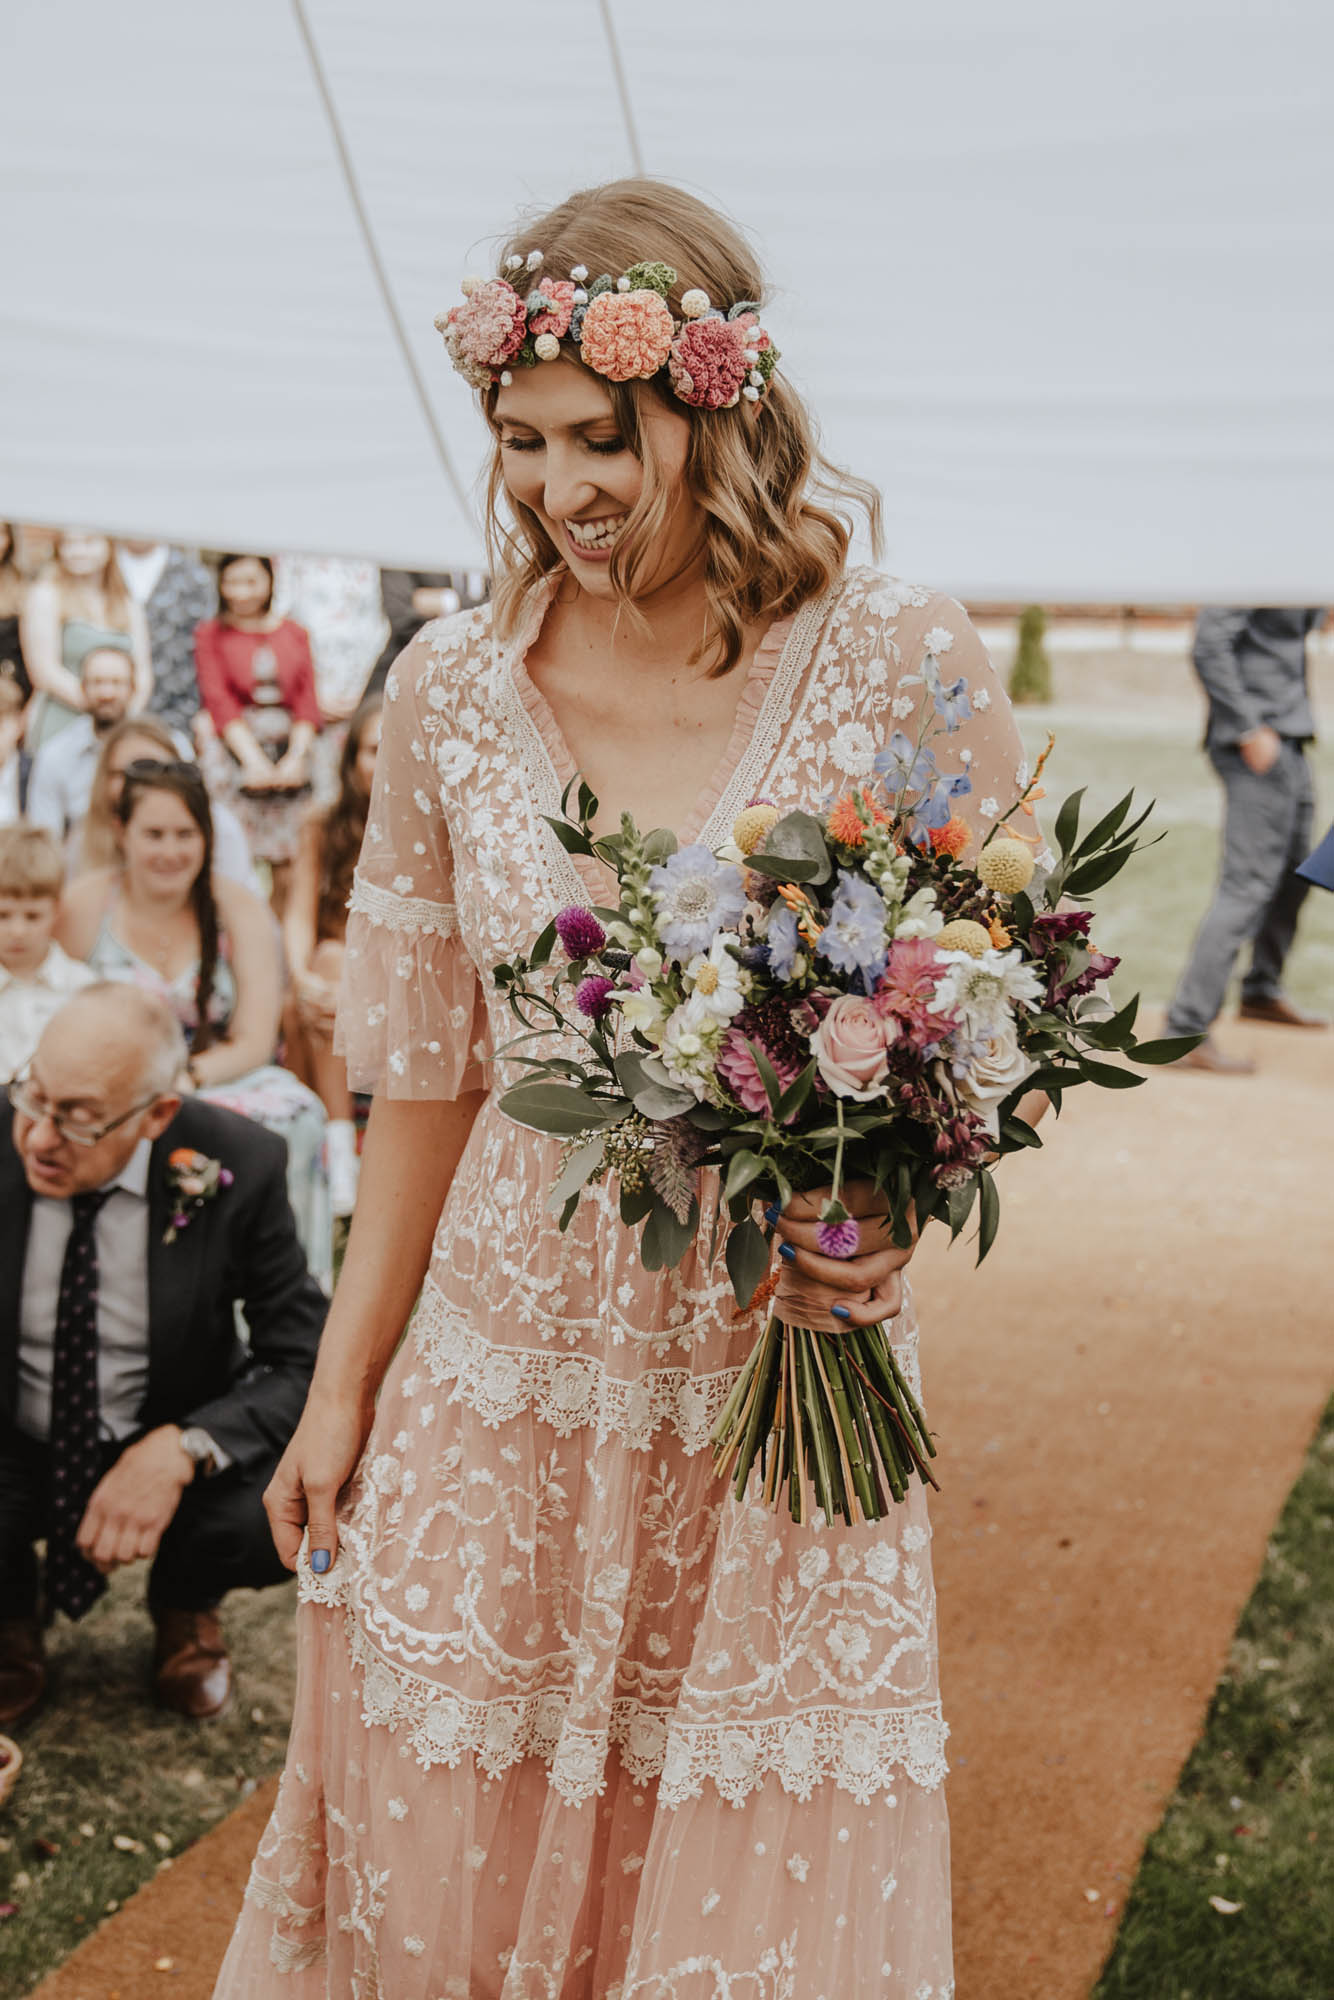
x=1266, y=832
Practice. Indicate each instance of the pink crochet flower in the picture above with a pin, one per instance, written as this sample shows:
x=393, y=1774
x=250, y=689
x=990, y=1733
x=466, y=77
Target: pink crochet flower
x=556, y=319
x=488, y=329
x=708, y=363
x=627, y=336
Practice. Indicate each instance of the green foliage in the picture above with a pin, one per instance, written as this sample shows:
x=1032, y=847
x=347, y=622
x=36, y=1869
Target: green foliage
x=1249, y=1821
x=1030, y=676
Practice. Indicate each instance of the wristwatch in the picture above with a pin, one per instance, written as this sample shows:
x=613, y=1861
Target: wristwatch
x=198, y=1445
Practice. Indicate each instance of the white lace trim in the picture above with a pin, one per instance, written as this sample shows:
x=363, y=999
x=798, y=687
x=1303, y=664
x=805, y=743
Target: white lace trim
x=568, y=1391
x=406, y=916
x=859, y=1752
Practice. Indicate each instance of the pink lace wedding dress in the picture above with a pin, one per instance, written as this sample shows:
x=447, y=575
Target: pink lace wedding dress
x=571, y=1723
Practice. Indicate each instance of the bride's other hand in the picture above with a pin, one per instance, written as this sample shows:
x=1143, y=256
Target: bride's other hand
x=831, y=1294
x=312, y=1472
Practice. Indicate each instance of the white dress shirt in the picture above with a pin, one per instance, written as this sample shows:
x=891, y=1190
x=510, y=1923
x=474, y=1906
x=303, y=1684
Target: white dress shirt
x=26, y=1005
x=121, y=1236
x=62, y=777
x=120, y=1233
x=142, y=573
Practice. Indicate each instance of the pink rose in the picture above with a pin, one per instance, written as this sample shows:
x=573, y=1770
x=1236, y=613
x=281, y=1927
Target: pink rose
x=851, y=1048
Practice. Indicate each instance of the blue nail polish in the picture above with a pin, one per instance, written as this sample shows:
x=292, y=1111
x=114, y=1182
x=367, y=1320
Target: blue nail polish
x=787, y=1253
x=319, y=1561
x=840, y=1312
x=772, y=1213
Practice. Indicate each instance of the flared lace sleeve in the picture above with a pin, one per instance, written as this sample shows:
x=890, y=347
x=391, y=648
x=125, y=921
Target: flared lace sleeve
x=411, y=1018
x=908, y=649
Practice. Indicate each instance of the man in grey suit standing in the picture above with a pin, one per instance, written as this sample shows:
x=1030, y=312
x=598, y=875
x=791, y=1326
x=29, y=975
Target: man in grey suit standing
x=1253, y=667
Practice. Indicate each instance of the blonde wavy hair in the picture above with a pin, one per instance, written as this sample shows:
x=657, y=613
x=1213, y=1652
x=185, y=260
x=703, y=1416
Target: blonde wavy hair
x=778, y=517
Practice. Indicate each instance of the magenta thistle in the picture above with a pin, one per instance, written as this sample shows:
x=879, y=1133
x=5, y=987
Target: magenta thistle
x=579, y=931
x=839, y=1239
x=592, y=996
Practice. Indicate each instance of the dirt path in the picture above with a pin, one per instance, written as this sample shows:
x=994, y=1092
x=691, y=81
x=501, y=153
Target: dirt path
x=1123, y=1396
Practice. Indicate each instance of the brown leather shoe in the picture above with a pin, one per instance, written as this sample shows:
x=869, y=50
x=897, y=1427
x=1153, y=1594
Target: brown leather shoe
x=1209, y=1056
x=191, y=1669
x=22, y=1669
x=1280, y=1013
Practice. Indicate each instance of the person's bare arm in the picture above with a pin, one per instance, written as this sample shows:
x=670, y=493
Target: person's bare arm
x=257, y=964
x=82, y=908
x=142, y=654
x=299, y=918
x=40, y=638
x=411, y=1154
x=256, y=770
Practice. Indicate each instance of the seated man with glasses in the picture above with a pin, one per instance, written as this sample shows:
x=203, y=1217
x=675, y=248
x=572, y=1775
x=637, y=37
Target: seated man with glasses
x=134, y=1422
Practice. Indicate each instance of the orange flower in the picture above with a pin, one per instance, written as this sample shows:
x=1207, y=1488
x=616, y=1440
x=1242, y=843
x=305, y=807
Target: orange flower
x=846, y=823
x=953, y=837
x=808, y=925
x=1000, y=937
x=182, y=1158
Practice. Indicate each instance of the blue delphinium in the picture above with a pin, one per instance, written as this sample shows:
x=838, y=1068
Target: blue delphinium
x=696, y=895
x=853, y=939
x=934, y=810
x=950, y=699
x=903, y=767
x=782, y=941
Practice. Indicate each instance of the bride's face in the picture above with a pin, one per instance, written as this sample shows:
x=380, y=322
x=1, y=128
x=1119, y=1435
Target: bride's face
x=564, y=457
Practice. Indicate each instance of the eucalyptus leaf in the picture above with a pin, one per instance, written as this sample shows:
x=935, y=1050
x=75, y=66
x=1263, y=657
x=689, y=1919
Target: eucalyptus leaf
x=743, y=1168
x=665, y=1240
x=961, y=1201
x=559, y=1108
x=542, y=948
x=644, y=1079
x=794, y=849
x=659, y=846
x=585, y=1160
x=636, y=1203
x=1020, y=1132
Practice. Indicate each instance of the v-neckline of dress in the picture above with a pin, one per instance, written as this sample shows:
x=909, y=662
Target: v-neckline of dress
x=549, y=766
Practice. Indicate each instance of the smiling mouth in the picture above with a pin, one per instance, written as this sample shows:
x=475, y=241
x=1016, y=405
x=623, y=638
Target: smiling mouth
x=596, y=536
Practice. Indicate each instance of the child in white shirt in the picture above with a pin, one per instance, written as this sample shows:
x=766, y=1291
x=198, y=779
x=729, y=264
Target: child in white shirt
x=36, y=976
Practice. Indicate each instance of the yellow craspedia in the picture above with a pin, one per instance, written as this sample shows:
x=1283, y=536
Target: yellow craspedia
x=750, y=826
x=963, y=935
x=1006, y=866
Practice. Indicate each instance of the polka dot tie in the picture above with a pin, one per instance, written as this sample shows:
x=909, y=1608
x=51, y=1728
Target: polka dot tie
x=72, y=1583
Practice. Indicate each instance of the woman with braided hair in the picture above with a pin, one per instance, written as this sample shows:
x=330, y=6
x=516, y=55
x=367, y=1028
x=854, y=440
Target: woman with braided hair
x=163, y=918
x=572, y=1722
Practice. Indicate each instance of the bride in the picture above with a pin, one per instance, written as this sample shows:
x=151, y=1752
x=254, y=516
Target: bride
x=570, y=1720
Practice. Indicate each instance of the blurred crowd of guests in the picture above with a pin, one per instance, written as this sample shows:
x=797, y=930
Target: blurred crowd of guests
x=186, y=754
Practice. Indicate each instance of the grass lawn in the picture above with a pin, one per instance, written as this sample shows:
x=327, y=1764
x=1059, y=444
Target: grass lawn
x=103, y=1764
x=1250, y=1822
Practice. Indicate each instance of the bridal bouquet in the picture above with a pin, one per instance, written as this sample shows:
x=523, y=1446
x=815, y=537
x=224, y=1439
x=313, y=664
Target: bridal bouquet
x=830, y=996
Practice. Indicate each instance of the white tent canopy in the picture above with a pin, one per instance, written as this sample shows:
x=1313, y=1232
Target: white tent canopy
x=1059, y=277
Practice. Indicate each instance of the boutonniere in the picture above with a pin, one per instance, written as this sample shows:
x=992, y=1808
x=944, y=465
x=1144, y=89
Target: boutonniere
x=193, y=1179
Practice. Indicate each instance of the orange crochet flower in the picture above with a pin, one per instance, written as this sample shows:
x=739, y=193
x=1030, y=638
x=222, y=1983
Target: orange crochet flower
x=953, y=837
x=627, y=336
x=846, y=823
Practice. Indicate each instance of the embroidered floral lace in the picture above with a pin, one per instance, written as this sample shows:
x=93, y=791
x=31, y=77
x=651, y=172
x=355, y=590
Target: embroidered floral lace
x=571, y=1721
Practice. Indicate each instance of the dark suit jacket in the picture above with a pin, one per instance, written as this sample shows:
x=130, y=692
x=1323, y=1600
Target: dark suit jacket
x=240, y=1248
x=1253, y=666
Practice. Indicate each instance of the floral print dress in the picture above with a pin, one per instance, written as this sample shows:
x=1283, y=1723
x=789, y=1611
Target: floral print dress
x=572, y=1723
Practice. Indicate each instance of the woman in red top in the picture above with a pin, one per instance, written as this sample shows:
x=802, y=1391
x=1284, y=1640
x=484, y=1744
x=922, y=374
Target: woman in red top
x=257, y=682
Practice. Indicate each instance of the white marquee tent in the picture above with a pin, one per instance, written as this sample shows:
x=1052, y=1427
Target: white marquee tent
x=1059, y=276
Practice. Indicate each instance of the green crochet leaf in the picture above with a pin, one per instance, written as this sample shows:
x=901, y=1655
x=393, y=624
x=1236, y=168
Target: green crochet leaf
x=652, y=277
x=599, y=286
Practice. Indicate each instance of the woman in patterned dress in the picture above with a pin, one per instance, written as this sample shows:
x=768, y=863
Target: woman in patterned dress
x=571, y=1721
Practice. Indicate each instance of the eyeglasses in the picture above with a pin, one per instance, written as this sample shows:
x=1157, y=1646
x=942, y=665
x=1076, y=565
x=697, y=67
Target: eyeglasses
x=28, y=1101
x=153, y=767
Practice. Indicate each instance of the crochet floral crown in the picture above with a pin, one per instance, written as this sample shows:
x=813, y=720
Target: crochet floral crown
x=622, y=328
